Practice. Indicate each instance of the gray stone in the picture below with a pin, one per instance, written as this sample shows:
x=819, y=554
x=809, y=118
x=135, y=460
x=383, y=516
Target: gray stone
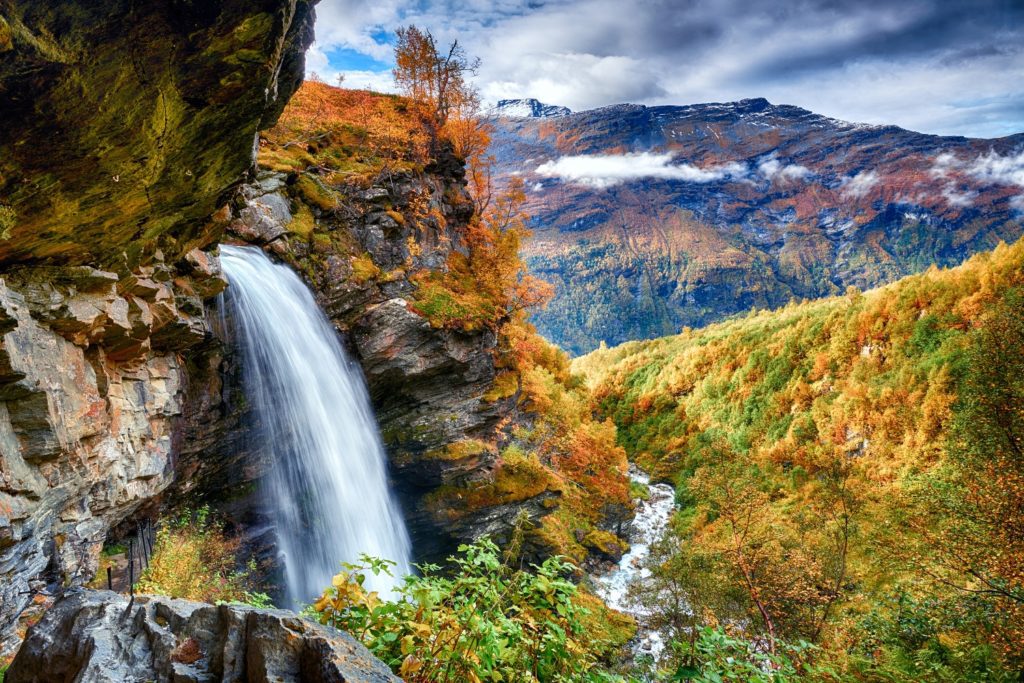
x=102, y=637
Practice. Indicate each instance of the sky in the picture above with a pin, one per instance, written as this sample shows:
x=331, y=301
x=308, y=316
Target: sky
x=949, y=67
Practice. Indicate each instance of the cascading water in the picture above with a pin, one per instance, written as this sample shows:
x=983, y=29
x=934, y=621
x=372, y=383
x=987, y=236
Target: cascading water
x=652, y=518
x=327, y=490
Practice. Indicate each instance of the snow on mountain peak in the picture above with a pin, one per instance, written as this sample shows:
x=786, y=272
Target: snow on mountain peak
x=528, y=108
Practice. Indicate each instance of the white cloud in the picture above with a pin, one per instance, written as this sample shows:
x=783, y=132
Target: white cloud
x=991, y=168
x=860, y=184
x=606, y=170
x=920, y=64
x=773, y=169
x=958, y=198
x=997, y=169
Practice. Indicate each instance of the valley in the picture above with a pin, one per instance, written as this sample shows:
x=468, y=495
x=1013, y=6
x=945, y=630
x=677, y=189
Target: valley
x=308, y=382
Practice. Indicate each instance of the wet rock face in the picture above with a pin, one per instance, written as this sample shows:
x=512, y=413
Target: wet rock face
x=426, y=384
x=98, y=636
x=125, y=122
x=90, y=393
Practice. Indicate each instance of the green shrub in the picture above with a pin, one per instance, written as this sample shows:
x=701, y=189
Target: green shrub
x=483, y=621
x=194, y=559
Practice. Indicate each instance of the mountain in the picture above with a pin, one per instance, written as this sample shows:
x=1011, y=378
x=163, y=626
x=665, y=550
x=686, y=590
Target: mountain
x=526, y=109
x=648, y=219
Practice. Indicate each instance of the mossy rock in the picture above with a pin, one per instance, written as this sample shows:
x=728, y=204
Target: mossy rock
x=151, y=109
x=605, y=544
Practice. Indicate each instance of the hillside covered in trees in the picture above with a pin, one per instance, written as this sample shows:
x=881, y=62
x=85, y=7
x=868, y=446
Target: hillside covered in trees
x=849, y=473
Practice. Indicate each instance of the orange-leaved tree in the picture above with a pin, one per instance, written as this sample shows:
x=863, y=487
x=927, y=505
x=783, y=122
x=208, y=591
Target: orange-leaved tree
x=433, y=77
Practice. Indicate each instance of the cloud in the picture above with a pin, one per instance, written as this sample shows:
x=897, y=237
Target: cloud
x=773, y=169
x=939, y=66
x=997, y=169
x=860, y=184
x=990, y=169
x=607, y=170
x=958, y=198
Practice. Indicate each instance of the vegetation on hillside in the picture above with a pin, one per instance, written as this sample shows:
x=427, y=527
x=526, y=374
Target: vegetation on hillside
x=849, y=472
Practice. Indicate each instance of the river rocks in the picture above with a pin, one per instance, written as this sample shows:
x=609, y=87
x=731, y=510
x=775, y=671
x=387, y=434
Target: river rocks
x=100, y=637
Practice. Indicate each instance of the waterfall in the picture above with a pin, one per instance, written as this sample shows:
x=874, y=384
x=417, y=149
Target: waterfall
x=327, y=489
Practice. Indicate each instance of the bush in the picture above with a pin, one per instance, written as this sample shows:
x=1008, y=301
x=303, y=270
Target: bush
x=483, y=621
x=194, y=559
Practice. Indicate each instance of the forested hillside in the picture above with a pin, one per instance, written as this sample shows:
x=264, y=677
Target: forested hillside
x=647, y=219
x=849, y=472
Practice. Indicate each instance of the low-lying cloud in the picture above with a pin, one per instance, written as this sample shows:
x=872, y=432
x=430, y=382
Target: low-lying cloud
x=860, y=184
x=607, y=170
x=997, y=169
x=991, y=169
x=773, y=169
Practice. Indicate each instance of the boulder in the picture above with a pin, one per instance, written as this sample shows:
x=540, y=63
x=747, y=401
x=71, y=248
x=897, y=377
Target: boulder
x=104, y=637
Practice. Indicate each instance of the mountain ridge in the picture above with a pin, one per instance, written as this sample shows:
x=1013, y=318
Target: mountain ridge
x=668, y=216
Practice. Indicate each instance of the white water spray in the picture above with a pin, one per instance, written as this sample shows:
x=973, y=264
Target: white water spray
x=327, y=490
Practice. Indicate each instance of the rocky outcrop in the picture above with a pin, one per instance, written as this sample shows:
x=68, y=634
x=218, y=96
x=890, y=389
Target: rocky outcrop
x=127, y=123
x=125, y=127
x=427, y=384
x=100, y=637
x=91, y=387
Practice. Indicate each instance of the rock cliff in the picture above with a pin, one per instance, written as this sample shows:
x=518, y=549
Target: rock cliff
x=126, y=126
x=427, y=384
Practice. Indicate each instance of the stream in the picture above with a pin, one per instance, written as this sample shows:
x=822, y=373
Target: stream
x=652, y=516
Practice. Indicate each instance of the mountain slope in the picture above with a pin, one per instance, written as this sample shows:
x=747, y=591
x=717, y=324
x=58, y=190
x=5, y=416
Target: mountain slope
x=850, y=466
x=648, y=219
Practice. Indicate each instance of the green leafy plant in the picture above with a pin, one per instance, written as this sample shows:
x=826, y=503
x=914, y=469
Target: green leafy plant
x=481, y=621
x=193, y=558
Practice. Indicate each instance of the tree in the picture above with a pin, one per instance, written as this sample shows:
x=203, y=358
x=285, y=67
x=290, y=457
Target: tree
x=435, y=78
x=970, y=512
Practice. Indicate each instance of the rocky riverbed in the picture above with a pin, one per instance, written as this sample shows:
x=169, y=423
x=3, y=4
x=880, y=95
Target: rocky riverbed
x=652, y=516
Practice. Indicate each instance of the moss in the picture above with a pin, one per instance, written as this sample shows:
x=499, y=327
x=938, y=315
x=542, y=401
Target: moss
x=460, y=450
x=364, y=269
x=519, y=477
x=6, y=43
x=303, y=223
x=8, y=219
x=606, y=542
x=286, y=159
x=445, y=308
x=314, y=193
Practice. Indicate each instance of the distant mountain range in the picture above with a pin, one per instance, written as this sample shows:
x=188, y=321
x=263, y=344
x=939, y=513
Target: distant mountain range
x=648, y=219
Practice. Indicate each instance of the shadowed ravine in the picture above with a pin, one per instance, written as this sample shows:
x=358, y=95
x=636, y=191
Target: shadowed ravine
x=327, y=491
